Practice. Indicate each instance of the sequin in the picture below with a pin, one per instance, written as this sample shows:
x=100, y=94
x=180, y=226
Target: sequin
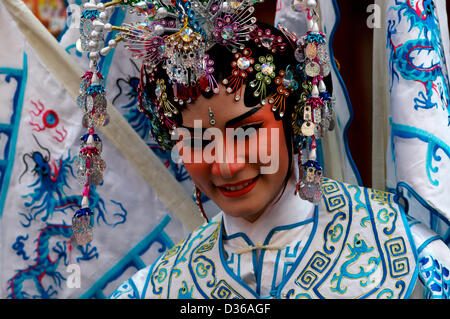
x=311, y=51
x=312, y=69
x=89, y=105
x=81, y=99
x=86, y=121
x=99, y=102
x=322, y=54
x=299, y=55
x=82, y=229
x=308, y=128
x=95, y=178
x=326, y=69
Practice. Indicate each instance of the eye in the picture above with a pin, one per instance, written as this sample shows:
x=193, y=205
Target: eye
x=249, y=130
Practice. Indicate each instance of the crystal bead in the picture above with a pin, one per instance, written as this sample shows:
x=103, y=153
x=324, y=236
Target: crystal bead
x=227, y=33
x=186, y=34
x=158, y=91
x=266, y=41
x=267, y=68
x=243, y=63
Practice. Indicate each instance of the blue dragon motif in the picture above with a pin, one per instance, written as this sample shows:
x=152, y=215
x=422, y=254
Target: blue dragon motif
x=19, y=245
x=403, y=57
x=359, y=248
x=49, y=196
x=44, y=265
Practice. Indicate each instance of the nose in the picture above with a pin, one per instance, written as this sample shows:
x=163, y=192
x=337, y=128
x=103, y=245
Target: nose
x=230, y=165
x=226, y=170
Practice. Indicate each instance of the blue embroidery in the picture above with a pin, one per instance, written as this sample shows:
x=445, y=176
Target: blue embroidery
x=18, y=246
x=357, y=198
x=87, y=252
x=132, y=258
x=335, y=233
x=395, y=248
x=434, y=145
x=436, y=277
x=402, y=56
x=11, y=129
x=224, y=291
x=49, y=196
x=125, y=289
x=43, y=266
x=388, y=292
x=184, y=292
x=316, y=265
x=359, y=247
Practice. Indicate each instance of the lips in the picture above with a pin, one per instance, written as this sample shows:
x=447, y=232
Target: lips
x=238, y=189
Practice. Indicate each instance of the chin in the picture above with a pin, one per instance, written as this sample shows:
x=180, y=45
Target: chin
x=249, y=208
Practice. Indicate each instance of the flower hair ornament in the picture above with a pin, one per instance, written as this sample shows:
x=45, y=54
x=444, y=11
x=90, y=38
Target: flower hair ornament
x=265, y=73
x=242, y=66
x=173, y=43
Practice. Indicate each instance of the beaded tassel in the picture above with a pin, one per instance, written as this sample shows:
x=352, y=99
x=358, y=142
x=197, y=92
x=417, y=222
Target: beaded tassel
x=92, y=101
x=317, y=107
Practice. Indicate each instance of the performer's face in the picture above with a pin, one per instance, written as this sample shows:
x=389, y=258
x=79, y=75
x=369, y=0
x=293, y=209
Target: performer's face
x=243, y=175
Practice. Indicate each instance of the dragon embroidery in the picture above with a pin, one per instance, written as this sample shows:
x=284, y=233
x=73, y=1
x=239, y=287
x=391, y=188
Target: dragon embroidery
x=48, y=197
x=359, y=247
x=405, y=58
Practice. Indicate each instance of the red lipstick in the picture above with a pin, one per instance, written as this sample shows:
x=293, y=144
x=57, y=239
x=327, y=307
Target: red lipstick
x=236, y=190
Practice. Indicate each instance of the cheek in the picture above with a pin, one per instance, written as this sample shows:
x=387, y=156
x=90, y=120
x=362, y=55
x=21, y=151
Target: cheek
x=199, y=173
x=271, y=142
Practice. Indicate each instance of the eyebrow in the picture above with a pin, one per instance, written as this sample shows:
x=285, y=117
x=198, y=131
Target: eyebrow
x=243, y=116
x=232, y=121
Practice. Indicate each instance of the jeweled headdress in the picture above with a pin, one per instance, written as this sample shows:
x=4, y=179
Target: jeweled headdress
x=177, y=42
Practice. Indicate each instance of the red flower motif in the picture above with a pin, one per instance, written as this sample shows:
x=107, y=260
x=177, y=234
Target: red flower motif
x=242, y=66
